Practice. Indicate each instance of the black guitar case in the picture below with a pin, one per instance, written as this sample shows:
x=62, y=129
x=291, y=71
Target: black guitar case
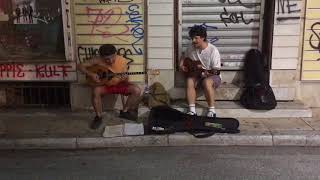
x=166, y=120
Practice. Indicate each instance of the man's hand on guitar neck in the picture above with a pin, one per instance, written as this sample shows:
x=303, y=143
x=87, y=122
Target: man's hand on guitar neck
x=207, y=73
x=94, y=77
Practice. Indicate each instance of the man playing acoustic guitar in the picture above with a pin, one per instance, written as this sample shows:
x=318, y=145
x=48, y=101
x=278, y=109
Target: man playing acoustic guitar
x=205, y=59
x=109, y=60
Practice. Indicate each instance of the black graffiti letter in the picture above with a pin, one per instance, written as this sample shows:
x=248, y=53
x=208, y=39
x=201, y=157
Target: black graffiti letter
x=225, y=17
x=317, y=47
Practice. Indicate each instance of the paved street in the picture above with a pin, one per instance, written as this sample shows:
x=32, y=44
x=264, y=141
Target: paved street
x=163, y=163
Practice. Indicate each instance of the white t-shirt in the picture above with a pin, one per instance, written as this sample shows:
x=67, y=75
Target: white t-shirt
x=209, y=57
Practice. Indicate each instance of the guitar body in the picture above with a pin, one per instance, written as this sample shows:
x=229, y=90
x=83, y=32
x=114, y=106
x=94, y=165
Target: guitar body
x=107, y=76
x=194, y=71
x=192, y=68
x=110, y=76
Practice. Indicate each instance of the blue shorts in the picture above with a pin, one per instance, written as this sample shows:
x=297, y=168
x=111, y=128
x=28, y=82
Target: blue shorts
x=215, y=78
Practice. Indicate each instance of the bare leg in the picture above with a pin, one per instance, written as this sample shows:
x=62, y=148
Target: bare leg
x=207, y=85
x=133, y=98
x=96, y=100
x=191, y=91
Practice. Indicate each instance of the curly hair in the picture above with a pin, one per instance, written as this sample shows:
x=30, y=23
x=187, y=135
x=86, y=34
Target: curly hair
x=107, y=50
x=198, y=30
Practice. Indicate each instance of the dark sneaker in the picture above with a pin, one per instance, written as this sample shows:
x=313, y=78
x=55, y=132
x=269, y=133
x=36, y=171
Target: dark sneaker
x=96, y=123
x=130, y=115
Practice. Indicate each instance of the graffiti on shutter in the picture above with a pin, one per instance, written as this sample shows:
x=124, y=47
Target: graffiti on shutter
x=233, y=26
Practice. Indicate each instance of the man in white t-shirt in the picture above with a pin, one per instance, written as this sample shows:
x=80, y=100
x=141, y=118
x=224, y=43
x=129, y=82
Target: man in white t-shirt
x=209, y=57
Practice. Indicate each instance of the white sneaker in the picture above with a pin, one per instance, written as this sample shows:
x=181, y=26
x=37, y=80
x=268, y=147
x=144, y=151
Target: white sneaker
x=211, y=114
x=191, y=113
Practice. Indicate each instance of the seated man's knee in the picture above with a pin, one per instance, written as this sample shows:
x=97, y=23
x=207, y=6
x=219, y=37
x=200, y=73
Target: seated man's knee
x=207, y=83
x=97, y=91
x=190, y=83
x=134, y=90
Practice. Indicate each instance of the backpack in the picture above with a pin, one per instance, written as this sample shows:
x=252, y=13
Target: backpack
x=166, y=120
x=157, y=96
x=257, y=94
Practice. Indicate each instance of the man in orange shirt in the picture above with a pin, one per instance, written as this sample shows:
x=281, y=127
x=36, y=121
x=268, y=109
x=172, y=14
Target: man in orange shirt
x=110, y=60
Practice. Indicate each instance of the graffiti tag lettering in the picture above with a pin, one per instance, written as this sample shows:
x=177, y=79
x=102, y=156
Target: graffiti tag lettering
x=106, y=18
x=90, y=52
x=233, y=17
x=11, y=70
x=50, y=71
x=285, y=7
x=137, y=31
x=235, y=2
x=126, y=53
x=17, y=71
x=315, y=37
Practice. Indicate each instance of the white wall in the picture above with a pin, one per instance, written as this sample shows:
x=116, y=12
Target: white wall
x=160, y=34
x=287, y=40
x=286, y=35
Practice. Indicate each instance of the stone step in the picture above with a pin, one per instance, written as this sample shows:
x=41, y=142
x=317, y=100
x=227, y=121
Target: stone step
x=234, y=109
x=231, y=92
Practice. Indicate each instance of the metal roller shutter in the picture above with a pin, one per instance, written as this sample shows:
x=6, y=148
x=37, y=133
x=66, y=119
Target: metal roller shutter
x=233, y=26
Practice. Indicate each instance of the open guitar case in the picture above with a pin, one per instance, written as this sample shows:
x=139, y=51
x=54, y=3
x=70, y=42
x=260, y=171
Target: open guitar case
x=166, y=120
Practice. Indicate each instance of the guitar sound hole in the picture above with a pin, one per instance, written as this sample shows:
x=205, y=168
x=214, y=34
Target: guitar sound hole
x=108, y=75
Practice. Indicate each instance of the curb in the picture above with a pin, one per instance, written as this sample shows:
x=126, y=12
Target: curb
x=280, y=138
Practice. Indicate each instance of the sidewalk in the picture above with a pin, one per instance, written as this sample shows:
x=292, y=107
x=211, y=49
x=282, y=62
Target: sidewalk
x=69, y=130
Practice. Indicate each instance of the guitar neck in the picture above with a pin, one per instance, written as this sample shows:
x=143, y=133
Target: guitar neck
x=130, y=73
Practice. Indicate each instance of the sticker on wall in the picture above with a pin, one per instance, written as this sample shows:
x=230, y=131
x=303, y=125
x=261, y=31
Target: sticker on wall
x=24, y=12
x=311, y=48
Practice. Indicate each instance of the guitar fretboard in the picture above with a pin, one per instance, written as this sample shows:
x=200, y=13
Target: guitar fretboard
x=107, y=75
x=130, y=73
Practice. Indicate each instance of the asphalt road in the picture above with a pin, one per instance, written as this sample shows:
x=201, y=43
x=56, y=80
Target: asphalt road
x=163, y=163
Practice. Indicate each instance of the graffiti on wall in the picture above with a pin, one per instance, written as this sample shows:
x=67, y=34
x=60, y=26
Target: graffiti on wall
x=311, y=48
x=34, y=72
x=287, y=10
x=314, y=39
x=117, y=22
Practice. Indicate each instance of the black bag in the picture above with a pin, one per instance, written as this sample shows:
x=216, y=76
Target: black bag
x=258, y=93
x=166, y=120
x=259, y=97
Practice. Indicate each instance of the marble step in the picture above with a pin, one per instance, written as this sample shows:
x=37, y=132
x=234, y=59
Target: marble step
x=231, y=92
x=234, y=109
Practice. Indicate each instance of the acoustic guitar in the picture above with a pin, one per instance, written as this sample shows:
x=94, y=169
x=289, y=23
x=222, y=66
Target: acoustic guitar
x=108, y=77
x=194, y=71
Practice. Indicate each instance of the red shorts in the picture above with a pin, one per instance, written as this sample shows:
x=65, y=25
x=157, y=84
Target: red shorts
x=121, y=88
